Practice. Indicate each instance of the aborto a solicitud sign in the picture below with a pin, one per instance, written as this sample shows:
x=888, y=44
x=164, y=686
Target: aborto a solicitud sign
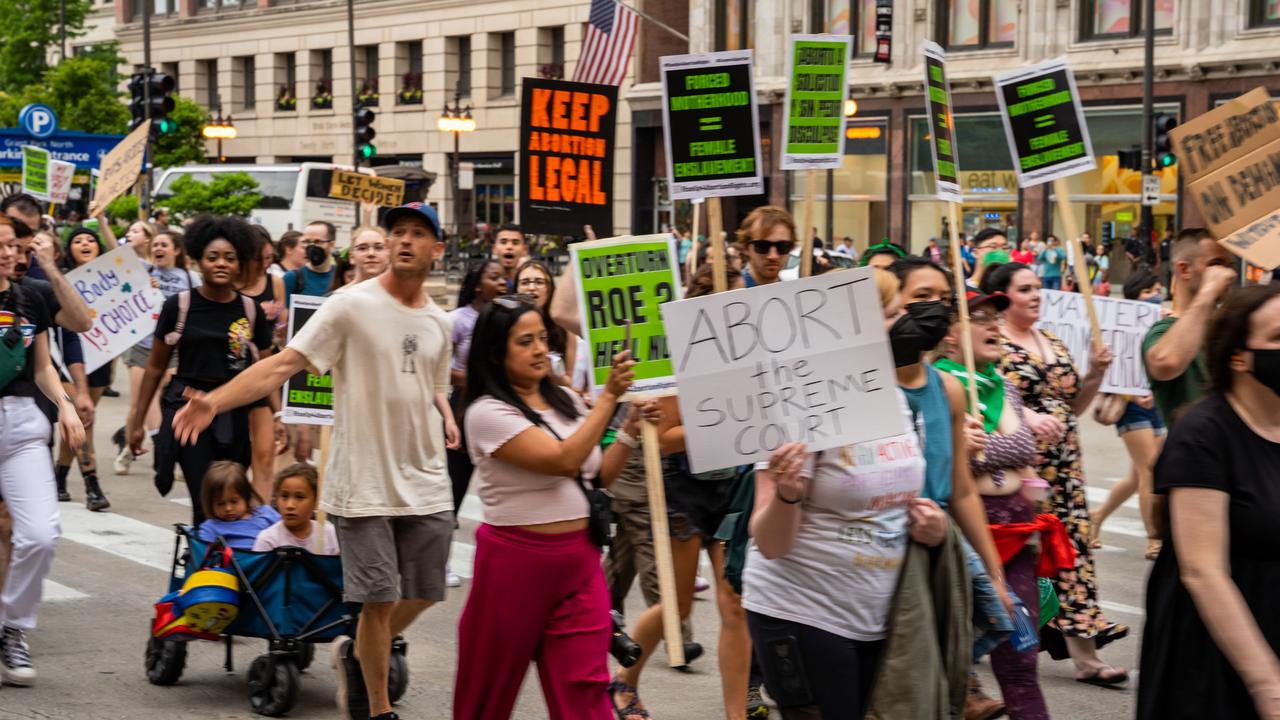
x=566, y=156
x=711, y=125
x=1044, y=122
x=813, y=126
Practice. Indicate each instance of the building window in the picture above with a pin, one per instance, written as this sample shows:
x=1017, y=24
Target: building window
x=459, y=49
x=846, y=17
x=974, y=24
x=1264, y=12
x=207, y=71
x=551, y=52
x=507, y=63
x=158, y=7
x=409, y=68
x=226, y=4
x=286, y=78
x=322, y=74
x=733, y=24
x=557, y=46
x=247, y=78
x=367, y=75
x=1107, y=19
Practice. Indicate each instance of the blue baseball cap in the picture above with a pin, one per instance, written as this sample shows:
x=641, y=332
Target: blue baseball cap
x=414, y=209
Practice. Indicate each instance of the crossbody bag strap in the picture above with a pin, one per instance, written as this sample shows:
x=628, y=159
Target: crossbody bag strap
x=184, y=306
x=581, y=482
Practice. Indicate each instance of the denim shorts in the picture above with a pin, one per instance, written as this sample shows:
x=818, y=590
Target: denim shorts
x=1136, y=417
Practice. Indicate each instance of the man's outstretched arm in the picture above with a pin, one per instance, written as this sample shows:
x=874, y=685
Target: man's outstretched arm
x=257, y=381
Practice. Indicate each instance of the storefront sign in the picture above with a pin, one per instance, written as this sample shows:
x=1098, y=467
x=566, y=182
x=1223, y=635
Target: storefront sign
x=1230, y=156
x=1044, y=122
x=308, y=398
x=124, y=307
x=625, y=280
x=814, y=121
x=946, y=168
x=711, y=125
x=804, y=360
x=35, y=172
x=370, y=189
x=1124, y=325
x=566, y=156
x=121, y=166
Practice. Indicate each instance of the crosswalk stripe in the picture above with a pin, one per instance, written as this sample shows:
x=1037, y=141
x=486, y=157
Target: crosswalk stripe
x=1097, y=496
x=1121, y=608
x=119, y=535
x=57, y=592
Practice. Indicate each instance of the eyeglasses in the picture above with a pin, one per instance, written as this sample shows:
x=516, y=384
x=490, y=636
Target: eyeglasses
x=515, y=301
x=309, y=242
x=533, y=282
x=985, y=317
x=993, y=246
x=762, y=247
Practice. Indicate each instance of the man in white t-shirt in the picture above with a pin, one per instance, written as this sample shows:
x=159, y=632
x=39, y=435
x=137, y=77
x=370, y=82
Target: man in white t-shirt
x=386, y=488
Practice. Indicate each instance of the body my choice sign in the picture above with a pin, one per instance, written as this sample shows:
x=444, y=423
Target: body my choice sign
x=803, y=360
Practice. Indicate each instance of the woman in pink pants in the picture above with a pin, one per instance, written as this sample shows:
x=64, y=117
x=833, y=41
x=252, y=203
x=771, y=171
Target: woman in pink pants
x=538, y=594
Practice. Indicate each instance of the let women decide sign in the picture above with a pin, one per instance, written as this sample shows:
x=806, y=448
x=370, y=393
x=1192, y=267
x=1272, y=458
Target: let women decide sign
x=123, y=304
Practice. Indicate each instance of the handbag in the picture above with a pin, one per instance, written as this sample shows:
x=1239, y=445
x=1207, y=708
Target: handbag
x=1109, y=408
x=599, y=504
x=13, y=346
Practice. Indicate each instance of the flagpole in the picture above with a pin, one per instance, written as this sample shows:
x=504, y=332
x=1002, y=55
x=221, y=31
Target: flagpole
x=656, y=21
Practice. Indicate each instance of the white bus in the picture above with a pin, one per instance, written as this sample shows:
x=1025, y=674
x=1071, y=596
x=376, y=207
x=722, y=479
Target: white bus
x=292, y=195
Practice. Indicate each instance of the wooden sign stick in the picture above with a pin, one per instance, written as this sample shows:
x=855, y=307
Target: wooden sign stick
x=1078, y=262
x=715, y=224
x=326, y=433
x=962, y=304
x=806, y=234
x=662, y=545
x=692, y=260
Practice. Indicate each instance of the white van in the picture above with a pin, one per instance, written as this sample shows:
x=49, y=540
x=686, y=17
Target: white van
x=292, y=195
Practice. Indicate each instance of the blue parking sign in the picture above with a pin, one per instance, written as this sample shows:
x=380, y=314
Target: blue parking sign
x=38, y=120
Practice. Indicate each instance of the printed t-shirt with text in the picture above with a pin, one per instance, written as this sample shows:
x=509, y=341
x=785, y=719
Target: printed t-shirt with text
x=842, y=571
x=388, y=362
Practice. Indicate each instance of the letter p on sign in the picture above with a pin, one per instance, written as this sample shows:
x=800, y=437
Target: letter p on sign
x=38, y=120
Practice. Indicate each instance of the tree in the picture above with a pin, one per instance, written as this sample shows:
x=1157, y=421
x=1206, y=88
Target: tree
x=224, y=194
x=83, y=91
x=186, y=144
x=29, y=35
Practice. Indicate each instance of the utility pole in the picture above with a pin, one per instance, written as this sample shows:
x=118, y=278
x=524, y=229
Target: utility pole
x=1146, y=227
x=355, y=101
x=146, y=102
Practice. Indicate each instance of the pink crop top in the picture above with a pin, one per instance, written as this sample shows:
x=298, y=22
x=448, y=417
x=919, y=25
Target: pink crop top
x=513, y=495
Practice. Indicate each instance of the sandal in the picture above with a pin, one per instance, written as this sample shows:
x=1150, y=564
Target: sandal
x=1098, y=677
x=631, y=710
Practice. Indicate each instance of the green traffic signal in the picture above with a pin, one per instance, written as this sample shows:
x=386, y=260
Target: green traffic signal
x=166, y=126
x=367, y=151
x=1167, y=160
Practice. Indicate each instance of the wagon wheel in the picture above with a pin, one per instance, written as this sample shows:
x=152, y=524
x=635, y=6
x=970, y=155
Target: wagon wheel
x=166, y=660
x=273, y=685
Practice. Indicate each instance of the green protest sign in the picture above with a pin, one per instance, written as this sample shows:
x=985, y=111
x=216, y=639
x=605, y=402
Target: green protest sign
x=813, y=126
x=35, y=172
x=623, y=280
x=941, y=128
x=1044, y=122
x=307, y=397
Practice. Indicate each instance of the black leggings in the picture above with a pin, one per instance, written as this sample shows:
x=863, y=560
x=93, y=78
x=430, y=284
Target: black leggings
x=226, y=438
x=838, y=671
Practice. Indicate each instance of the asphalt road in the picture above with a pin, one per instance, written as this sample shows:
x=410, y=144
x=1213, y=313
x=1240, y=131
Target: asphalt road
x=111, y=567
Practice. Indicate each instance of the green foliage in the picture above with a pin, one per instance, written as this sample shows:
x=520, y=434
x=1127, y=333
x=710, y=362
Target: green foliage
x=225, y=194
x=29, y=35
x=185, y=144
x=124, y=208
x=83, y=91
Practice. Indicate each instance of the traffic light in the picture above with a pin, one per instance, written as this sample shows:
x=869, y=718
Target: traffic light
x=1163, y=152
x=148, y=87
x=365, y=133
x=1130, y=159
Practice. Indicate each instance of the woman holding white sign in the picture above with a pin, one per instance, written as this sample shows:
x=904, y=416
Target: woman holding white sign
x=1054, y=394
x=830, y=532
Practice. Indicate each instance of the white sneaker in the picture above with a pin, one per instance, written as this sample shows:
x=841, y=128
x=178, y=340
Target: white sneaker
x=124, y=460
x=701, y=585
x=16, y=658
x=451, y=578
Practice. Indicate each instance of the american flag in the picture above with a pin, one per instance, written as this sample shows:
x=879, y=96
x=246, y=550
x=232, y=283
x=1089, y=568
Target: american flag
x=606, y=51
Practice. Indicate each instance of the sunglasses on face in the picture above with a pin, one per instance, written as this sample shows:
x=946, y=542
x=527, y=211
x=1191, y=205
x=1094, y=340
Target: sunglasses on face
x=761, y=247
x=515, y=301
x=985, y=317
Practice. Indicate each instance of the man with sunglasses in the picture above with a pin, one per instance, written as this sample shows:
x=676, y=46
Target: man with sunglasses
x=391, y=501
x=767, y=237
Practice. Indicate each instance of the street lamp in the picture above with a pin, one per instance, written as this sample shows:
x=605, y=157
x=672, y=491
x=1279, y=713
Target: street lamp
x=456, y=120
x=219, y=129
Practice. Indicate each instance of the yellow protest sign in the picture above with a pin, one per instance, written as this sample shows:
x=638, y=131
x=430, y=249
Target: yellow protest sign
x=120, y=168
x=386, y=192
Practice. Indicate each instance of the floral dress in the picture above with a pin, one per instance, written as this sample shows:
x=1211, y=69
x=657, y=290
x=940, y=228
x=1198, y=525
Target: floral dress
x=1048, y=386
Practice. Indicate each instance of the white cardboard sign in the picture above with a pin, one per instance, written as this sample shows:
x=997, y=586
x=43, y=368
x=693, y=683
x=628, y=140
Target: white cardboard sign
x=805, y=360
x=123, y=304
x=1124, y=324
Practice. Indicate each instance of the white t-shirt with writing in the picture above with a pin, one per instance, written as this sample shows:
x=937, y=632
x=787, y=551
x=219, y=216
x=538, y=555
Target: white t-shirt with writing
x=842, y=571
x=388, y=361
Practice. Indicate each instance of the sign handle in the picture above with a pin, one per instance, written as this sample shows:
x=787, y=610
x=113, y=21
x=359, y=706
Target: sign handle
x=715, y=223
x=1078, y=262
x=962, y=304
x=692, y=261
x=326, y=432
x=806, y=237
x=662, y=544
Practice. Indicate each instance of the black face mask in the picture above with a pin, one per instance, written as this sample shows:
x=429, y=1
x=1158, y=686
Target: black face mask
x=920, y=330
x=315, y=255
x=1266, y=367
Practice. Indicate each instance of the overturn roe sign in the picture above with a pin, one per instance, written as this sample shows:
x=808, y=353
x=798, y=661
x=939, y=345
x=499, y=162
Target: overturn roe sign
x=804, y=360
x=1124, y=324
